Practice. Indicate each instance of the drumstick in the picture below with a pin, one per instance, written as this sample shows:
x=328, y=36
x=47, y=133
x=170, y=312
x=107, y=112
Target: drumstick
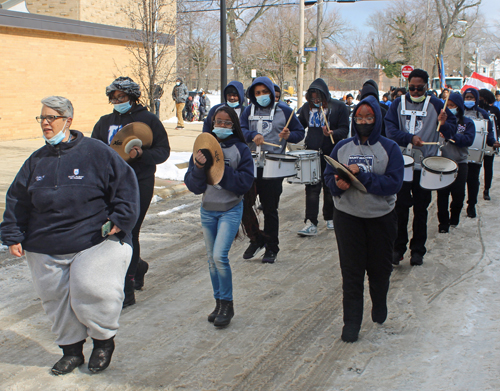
x=287, y=123
x=430, y=143
x=271, y=144
x=326, y=122
x=444, y=108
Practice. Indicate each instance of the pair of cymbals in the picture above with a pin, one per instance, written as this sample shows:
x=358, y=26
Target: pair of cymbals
x=345, y=174
x=207, y=142
x=135, y=134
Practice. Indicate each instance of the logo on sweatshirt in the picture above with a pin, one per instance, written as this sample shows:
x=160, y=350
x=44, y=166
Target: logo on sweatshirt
x=365, y=163
x=75, y=175
x=39, y=178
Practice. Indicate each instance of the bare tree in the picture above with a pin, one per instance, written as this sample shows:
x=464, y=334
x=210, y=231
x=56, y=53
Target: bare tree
x=154, y=25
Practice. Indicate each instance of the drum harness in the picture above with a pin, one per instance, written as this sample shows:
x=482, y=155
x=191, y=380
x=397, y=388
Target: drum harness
x=260, y=119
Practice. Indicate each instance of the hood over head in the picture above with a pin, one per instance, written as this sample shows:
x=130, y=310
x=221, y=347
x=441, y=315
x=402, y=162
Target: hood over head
x=456, y=98
x=238, y=86
x=487, y=95
x=261, y=80
x=474, y=92
x=377, y=130
x=370, y=87
x=319, y=84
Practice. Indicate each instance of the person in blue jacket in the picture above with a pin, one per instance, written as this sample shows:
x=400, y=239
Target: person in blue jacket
x=367, y=222
x=234, y=97
x=411, y=120
x=456, y=150
x=474, y=112
x=222, y=206
x=262, y=121
x=55, y=211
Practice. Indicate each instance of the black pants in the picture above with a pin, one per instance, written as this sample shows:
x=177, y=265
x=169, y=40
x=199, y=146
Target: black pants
x=269, y=191
x=473, y=184
x=457, y=191
x=488, y=171
x=146, y=189
x=364, y=245
x=312, y=199
x=411, y=194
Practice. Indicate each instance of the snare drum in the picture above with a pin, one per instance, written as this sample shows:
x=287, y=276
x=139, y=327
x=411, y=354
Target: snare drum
x=308, y=167
x=476, y=150
x=279, y=166
x=437, y=173
x=490, y=151
x=409, y=167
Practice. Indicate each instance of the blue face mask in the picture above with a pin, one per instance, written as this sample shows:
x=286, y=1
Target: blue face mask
x=222, y=133
x=317, y=104
x=58, y=137
x=263, y=100
x=122, y=108
x=233, y=104
x=454, y=111
x=469, y=104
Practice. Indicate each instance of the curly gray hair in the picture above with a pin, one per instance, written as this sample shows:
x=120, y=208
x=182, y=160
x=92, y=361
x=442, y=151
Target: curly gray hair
x=60, y=104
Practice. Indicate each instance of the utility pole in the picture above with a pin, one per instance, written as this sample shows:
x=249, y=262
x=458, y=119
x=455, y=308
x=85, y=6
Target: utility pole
x=319, y=44
x=300, y=73
x=424, y=46
x=223, y=45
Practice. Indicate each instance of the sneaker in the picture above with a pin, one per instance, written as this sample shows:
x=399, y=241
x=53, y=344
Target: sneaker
x=269, y=256
x=179, y=127
x=396, y=258
x=309, y=230
x=416, y=259
x=329, y=224
x=252, y=250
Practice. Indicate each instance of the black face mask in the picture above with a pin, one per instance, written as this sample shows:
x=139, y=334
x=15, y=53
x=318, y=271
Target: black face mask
x=484, y=105
x=365, y=130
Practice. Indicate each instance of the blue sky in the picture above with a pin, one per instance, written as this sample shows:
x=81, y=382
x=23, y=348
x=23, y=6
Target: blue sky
x=357, y=13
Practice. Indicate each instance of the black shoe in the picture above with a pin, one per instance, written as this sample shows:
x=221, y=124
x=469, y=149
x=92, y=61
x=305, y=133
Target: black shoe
x=252, y=250
x=225, y=314
x=269, y=256
x=379, y=313
x=416, y=259
x=486, y=195
x=142, y=269
x=350, y=332
x=443, y=230
x=73, y=358
x=129, y=291
x=101, y=355
x=471, y=212
x=396, y=258
x=215, y=312
x=454, y=220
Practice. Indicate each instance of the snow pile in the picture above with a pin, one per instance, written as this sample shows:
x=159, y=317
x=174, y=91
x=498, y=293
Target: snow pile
x=169, y=170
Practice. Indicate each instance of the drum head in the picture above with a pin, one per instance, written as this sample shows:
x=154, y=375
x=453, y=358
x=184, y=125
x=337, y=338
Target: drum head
x=409, y=161
x=278, y=156
x=304, y=153
x=439, y=165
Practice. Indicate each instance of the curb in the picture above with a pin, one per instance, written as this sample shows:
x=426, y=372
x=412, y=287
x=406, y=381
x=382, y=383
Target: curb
x=172, y=191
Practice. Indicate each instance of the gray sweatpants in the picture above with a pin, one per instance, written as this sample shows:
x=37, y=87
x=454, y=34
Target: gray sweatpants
x=82, y=293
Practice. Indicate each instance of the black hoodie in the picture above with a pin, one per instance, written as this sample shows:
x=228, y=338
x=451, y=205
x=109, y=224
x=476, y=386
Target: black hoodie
x=370, y=87
x=338, y=120
x=144, y=166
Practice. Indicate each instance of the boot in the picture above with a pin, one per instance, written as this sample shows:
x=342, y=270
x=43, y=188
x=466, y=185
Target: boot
x=129, y=291
x=486, y=195
x=378, y=294
x=72, y=358
x=353, y=315
x=142, y=269
x=211, y=317
x=225, y=314
x=101, y=355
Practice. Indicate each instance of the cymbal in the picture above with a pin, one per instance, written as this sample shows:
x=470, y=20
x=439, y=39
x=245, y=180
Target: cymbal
x=209, y=142
x=131, y=135
x=343, y=172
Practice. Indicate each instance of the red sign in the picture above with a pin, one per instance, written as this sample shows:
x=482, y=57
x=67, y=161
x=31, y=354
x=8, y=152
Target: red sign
x=406, y=70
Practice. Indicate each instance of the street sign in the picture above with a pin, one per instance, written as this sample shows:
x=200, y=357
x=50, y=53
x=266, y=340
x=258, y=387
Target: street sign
x=254, y=73
x=406, y=70
x=310, y=49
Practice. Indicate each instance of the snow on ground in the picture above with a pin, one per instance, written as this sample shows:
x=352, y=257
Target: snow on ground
x=169, y=170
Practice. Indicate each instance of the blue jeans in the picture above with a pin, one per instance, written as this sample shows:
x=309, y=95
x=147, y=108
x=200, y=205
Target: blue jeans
x=219, y=231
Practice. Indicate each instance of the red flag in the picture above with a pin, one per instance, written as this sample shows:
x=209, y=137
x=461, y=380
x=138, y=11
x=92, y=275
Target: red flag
x=479, y=82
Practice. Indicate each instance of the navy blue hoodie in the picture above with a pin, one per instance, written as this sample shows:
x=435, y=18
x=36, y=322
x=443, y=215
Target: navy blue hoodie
x=144, y=166
x=207, y=124
x=63, y=194
x=237, y=180
x=477, y=112
x=381, y=170
x=271, y=130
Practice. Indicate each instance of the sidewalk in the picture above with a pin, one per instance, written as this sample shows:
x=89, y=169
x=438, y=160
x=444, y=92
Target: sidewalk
x=15, y=152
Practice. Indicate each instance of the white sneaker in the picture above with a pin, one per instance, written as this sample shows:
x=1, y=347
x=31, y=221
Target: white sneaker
x=309, y=230
x=329, y=224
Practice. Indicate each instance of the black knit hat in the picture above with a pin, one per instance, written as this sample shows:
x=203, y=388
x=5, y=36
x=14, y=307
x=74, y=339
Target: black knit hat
x=125, y=84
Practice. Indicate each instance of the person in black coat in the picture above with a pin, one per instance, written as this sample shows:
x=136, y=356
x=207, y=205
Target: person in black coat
x=318, y=139
x=124, y=94
x=370, y=87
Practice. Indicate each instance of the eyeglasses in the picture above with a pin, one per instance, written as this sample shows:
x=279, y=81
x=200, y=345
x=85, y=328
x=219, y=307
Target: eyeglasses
x=49, y=118
x=119, y=99
x=224, y=124
x=419, y=88
x=366, y=120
